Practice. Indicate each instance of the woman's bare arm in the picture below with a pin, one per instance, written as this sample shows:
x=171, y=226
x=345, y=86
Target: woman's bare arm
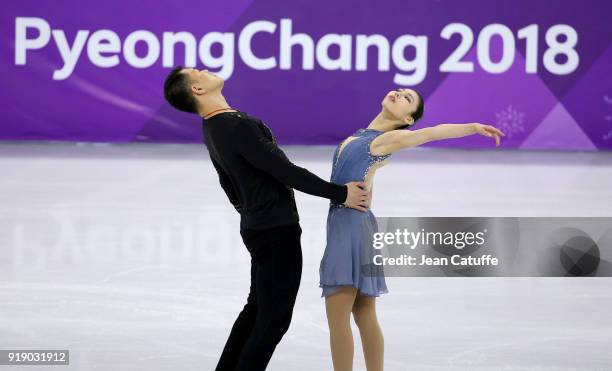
x=394, y=140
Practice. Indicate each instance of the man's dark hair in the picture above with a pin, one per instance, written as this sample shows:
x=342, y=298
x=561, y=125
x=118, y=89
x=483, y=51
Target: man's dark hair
x=418, y=113
x=177, y=91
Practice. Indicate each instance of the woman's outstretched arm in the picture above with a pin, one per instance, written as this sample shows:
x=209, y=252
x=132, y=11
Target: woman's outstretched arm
x=394, y=140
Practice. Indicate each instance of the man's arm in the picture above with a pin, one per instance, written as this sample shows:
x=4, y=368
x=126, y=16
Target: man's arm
x=262, y=153
x=226, y=184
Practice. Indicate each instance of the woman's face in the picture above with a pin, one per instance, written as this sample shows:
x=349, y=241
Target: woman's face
x=401, y=104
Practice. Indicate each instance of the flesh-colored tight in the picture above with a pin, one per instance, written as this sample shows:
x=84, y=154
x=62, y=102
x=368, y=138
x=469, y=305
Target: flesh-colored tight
x=339, y=307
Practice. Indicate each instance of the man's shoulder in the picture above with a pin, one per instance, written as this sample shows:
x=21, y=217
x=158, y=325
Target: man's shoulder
x=240, y=117
x=245, y=118
x=246, y=125
x=238, y=127
x=227, y=125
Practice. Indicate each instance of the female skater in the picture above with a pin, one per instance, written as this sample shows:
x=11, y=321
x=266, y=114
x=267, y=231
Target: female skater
x=349, y=281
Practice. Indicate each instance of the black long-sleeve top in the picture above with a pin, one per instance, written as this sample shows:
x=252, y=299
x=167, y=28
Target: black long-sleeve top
x=256, y=175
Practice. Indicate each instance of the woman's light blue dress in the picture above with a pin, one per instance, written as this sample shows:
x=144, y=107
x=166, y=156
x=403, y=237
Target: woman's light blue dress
x=349, y=253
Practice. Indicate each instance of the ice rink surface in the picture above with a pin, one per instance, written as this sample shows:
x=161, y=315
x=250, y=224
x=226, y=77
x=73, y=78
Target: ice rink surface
x=130, y=257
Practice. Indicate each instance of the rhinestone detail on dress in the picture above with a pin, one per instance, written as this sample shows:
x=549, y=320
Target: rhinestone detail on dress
x=372, y=159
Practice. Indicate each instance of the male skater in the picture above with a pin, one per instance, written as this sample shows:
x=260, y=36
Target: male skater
x=258, y=179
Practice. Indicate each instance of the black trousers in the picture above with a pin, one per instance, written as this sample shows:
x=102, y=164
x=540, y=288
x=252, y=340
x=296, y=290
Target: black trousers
x=276, y=271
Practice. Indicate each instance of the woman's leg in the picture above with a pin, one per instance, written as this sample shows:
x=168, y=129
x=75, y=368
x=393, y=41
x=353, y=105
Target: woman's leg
x=338, y=307
x=364, y=312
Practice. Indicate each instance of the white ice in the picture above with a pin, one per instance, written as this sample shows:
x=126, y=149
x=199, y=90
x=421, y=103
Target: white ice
x=130, y=257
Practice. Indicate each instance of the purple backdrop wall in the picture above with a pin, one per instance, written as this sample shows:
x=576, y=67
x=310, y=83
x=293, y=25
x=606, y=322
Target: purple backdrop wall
x=93, y=71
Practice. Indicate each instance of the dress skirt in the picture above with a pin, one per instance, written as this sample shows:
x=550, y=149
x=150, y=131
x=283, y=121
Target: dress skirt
x=348, y=259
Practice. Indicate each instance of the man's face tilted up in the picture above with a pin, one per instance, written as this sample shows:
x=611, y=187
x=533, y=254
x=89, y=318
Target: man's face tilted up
x=192, y=90
x=202, y=81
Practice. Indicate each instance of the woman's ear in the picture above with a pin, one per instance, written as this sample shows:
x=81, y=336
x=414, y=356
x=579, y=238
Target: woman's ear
x=408, y=120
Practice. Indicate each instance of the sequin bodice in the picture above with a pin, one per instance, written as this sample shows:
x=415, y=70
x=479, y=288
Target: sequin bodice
x=352, y=163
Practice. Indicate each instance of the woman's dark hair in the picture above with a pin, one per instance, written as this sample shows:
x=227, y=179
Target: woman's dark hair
x=178, y=92
x=417, y=114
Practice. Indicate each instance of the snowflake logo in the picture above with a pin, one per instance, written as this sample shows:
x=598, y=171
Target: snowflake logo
x=608, y=118
x=510, y=121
